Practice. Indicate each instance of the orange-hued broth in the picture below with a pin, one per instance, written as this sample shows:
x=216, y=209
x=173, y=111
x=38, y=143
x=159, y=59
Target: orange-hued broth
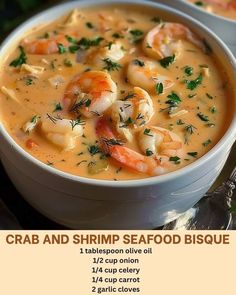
x=110, y=50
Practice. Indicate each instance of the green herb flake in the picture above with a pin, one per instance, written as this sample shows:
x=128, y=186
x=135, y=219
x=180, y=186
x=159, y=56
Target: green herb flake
x=180, y=122
x=174, y=99
x=148, y=152
x=61, y=48
x=192, y=95
x=159, y=88
x=117, y=36
x=58, y=107
x=147, y=132
x=71, y=39
x=199, y=3
x=86, y=43
x=136, y=34
x=89, y=25
x=213, y=110
x=29, y=81
x=20, y=60
x=209, y=96
x=111, y=65
x=188, y=70
x=192, y=84
x=67, y=63
x=193, y=154
x=73, y=48
x=94, y=149
x=175, y=159
x=206, y=143
x=139, y=63
x=203, y=117
x=167, y=61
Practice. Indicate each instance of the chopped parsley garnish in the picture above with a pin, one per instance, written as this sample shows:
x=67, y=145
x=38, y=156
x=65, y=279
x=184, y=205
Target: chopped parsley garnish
x=34, y=119
x=67, y=62
x=213, y=110
x=29, y=81
x=136, y=34
x=111, y=65
x=206, y=143
x=147, y=132
x=83, y=43
x=209, y=96
x=175, y=159
x=139, y=63
x=199, y=3
x=117, y=36
x=193, y=154
x=71, y=40
x=203, y=117
x=192, y=84
x=174, y=99
x=159, y=88
x=129, y=121
x=61, y=48
x=58, y=107
x=167, y=61
x=94, y=149
x=188, y=70
x=148, y=153
x=89, y=25
x=73, y=48
x=88, y=102
x=20, y=60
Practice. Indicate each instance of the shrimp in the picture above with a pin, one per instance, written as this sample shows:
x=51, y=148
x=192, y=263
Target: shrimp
x=112, y=51
x=128, y=157
x=133, y=112
x=165, y=40
x=45, y=45
x=145, y=73
x=62, y=132
x=160, y=142
x=90, y=93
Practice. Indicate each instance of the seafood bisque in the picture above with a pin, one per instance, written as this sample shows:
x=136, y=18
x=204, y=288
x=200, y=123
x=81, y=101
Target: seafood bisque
x=225, y=8
x=114, y=94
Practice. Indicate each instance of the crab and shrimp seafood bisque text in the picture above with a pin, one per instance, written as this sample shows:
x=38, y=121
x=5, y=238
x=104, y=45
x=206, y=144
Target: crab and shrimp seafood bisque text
x=114, y=94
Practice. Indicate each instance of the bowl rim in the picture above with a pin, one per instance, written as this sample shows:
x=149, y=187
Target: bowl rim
x=229, y=135
x=229, y=20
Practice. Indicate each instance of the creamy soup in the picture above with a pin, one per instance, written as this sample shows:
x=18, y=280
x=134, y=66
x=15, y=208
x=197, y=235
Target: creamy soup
x=114, y=94
x=225, y=8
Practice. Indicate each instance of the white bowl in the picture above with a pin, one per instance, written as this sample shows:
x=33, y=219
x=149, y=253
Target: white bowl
x=223, y=27
x=82, y=203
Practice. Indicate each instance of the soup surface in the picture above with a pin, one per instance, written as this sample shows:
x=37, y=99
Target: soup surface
x=114, y=94
x=225, y=8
